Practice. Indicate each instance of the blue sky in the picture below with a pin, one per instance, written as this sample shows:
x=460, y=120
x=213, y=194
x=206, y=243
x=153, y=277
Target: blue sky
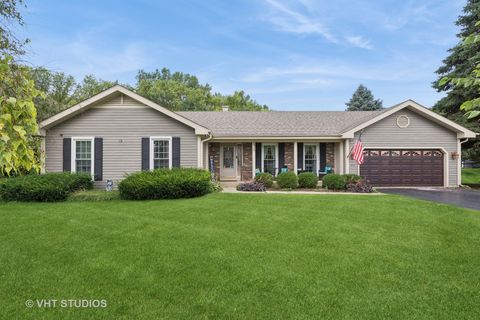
x=290, y=55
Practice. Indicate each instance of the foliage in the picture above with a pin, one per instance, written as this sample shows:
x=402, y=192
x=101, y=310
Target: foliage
x=351, y=178
x=180, y=91
x=166, y=184
x=43, y=188
x=18, y=125
x=265, y=178
x=363, y=100
x=307, y=180
x=94, y=195
x=469, y=81
x=334, y=181
x=360, y=186
x=9, y=16
x=62, y=91
x=471, y=176
x=251, y=186
x=287, y=180
x=462, y=61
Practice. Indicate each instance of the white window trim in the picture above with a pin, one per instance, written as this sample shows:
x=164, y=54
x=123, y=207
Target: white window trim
x=276, y=156
x=169, y=139
x=317, y=151
x=73, y=150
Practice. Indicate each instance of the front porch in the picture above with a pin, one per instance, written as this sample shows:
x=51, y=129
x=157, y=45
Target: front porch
x=240, y=160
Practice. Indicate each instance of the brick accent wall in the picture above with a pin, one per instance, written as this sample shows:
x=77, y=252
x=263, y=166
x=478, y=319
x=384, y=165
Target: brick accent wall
x=289, y=155
x=247, y=162
x=331, y=154
x=214, y=150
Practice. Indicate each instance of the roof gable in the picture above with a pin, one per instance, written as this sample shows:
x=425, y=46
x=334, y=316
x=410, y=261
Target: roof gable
x=419, y=109
x=105, y=95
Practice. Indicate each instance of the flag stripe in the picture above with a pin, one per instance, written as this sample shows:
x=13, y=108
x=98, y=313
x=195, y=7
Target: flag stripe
x=357, y=153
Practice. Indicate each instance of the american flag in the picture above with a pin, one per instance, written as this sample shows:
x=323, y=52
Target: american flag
x=357, y=151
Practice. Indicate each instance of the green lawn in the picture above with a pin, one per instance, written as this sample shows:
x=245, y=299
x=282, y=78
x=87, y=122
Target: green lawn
x=242, y=256
x=471, y=175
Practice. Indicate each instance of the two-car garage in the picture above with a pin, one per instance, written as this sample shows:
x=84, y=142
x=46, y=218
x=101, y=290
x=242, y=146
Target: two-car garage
x=403, y=167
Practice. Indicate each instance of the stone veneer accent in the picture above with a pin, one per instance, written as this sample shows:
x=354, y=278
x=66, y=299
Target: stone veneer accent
x=214, y=150
x=247, y=162
x=289, y=155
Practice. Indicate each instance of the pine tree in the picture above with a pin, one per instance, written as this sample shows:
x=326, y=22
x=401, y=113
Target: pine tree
x=460, y=63
x=363, y=100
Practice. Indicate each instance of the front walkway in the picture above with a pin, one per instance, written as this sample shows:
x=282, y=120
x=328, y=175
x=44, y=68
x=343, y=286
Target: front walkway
x=460, y=197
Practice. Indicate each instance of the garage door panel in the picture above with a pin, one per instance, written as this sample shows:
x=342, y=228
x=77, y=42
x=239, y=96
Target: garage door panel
x=403, y=167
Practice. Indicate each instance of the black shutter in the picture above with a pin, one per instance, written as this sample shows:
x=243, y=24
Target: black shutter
x=176, y=152
x=67, y=154
x=98, y=159
x=146, y=153
x=300, y=156
x=258, y=156
x=323, y=156
x=281, y=156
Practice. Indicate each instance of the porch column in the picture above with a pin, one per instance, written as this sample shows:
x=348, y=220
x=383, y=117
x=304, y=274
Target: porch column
x=345, y=160
x=253, y=159
x=206, y=156
x=342, y=163
x=295, y=156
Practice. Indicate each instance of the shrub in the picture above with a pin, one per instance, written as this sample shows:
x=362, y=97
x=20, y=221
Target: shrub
x=166, y=184
x=307, y=180
x=48, y=187
x=287, y=180
x=360, y=186
x=333, y=181
x=351, y=178
x=251, y=186
x=265, y=178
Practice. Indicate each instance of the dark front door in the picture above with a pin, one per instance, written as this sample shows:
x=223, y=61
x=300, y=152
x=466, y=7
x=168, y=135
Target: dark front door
x=403, y=167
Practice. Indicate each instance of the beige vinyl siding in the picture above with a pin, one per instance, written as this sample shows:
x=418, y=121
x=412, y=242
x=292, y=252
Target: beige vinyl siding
x=421, y=133
x=121, y=126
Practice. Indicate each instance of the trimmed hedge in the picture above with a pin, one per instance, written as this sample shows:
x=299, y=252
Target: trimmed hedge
x=287, y=180
x=265, y=178
x=333, y=181
x=48, y=187
x=166, y=184
x=351, y=178
x=307, y=180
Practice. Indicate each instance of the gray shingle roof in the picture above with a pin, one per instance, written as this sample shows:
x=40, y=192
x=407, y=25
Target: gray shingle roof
x=279, y=123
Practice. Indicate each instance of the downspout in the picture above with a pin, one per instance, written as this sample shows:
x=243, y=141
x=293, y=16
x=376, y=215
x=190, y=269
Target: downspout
x=460, y=162
x=210, y=137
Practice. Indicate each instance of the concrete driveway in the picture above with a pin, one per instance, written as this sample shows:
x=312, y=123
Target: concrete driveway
x=458, y=197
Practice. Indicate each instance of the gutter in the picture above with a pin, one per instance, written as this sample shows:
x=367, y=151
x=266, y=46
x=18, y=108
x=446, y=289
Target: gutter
x=210, y=137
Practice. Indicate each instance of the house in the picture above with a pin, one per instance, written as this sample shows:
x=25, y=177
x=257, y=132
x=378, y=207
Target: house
x=117, y=132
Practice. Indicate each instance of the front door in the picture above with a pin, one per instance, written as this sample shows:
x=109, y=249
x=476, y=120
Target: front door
x=228, y=163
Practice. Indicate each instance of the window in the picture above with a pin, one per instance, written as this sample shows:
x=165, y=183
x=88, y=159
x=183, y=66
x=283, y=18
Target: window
x=310, y=158
x=160, y=152
x=82, y=155
x=270, y=158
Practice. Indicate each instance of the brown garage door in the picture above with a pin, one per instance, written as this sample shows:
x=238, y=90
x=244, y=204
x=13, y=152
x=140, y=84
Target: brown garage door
x=403, y=167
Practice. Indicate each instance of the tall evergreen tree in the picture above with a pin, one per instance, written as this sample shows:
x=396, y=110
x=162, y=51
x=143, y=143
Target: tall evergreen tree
x=363, y=100
x=460, y=62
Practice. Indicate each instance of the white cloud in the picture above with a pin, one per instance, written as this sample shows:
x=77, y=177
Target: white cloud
x=359, y=41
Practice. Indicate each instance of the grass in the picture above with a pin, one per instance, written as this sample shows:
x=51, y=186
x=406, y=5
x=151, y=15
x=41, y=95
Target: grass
x=94, y=195
x=242, y=256
x=471, y=176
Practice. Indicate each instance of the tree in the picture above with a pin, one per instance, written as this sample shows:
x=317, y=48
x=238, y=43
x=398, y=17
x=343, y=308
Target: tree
x=91, y=86
x=363, y=100
x=59, y=91
x=10, y=15
x=18, y=125
x=462, y=63
x=183, y=92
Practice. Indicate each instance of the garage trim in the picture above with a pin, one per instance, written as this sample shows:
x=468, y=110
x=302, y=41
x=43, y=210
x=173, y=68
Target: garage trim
x=445, y=158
